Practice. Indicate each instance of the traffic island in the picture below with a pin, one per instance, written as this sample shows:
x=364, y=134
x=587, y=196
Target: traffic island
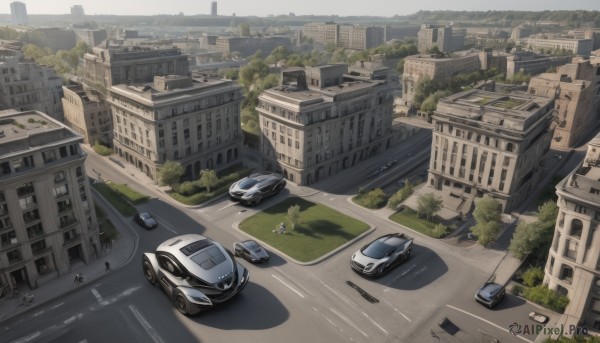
x=320, y=231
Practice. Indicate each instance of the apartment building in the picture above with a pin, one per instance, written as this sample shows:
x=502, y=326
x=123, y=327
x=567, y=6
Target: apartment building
x=529, y=62
x=488, y=143
x=47, y=216
x=445, y=38
x=18, y=13
x=105, y=67
x=322, y=120
x=91, y=37
x=574, y=87
x=581, y=47
x=247, y=46
x=439, y=69
x=177, y=118
x=355, y=37
x=27, y=86
x=87, y=114
x=573, y=266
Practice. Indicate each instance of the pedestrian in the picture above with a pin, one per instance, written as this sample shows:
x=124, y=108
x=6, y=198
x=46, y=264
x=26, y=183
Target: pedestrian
x=76, y=279
x=107, y=265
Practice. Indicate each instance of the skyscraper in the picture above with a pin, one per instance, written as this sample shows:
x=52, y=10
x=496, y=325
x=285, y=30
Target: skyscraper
x=18, y=12
x=213, y=8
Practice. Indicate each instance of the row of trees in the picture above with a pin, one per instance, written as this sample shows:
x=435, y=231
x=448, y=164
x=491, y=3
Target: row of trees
x=171, y=172
x=62, y=61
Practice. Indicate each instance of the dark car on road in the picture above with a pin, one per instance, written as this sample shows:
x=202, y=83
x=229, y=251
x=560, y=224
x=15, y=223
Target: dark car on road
x=382, y=254
x=251, y=251
x=252, y=189
x=196, y=272
x=490, y=294
x=145, y=220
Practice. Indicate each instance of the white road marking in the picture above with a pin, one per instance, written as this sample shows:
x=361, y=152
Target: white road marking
x=149, y=329
x=398, y=311
x=346, y=300
x=291, y=278
x=165, y=224
x=28, y=337
x=97, y=295
x=422, y=269
x=342, y=317
x=397, y=277
x=375, y=323
x=84, y=341
x=224, y=207
x=288, y=286
x=56, y=306
x=38, y=313
x=333, y=324
x=487, y=321
x=70, y=320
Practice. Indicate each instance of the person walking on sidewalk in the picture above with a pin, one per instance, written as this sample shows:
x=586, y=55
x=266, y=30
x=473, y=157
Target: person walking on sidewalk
x=107, y=265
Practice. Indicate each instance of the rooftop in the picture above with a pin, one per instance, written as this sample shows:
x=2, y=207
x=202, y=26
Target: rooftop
x=584, y=182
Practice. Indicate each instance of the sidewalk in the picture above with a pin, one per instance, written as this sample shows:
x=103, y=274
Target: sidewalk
x=120, y=254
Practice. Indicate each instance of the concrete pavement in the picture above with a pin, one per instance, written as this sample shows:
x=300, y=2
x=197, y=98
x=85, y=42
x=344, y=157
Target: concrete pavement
x=117, y=256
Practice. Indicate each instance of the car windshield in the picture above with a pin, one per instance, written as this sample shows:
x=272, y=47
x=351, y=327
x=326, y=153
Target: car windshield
x=376, y=250
x=209, y=257
x=487, y=291
x=252, y=245
x=145, y=215
x=247, y=183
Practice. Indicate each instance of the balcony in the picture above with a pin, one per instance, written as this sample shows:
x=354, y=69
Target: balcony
x=41, y=251
x=74, y=239
x=65, y=224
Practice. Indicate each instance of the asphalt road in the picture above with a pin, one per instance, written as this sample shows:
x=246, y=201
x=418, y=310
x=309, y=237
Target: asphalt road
x=284, y=301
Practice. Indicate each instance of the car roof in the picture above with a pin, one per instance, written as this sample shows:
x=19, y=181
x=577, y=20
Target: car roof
x=393, y=239
x=489, y=289
x=201, y=256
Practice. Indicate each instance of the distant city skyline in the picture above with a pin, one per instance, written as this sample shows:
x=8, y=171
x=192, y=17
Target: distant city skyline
x=263, y=8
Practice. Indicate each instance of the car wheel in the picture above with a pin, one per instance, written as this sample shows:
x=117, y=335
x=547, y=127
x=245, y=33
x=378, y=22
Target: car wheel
x=181, y=304
x=380, y=269
x=149, y=272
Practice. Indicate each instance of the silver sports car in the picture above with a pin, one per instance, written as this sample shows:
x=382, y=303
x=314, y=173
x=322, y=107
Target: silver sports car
x=254, y=188
x=196, y=272
x=251, y=251
x=382, y=254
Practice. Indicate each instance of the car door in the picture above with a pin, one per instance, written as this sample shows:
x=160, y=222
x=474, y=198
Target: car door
x=246, y=253
x=169, y=275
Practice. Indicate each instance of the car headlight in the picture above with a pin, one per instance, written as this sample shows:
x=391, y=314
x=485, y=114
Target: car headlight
x=201, y=299
x=369, y=266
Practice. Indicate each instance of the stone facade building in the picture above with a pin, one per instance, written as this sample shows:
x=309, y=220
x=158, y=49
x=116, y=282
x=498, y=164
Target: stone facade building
x=87, y=114
x=27, y=86
x=581, y=47
x=444, y=37
x=325, y=119
x=529, y=62
x=247, y=46
x=47, y=216
x=488, y=143
x=574, y=87
x=573, y=266
x=355, y=37
x=192, y=121
x=106, y=67
x=438, y=69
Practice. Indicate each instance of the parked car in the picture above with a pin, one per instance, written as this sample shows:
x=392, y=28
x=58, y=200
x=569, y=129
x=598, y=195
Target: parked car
x=490, y=294
x=382, y=254
x=196, y=272
x=251, y=251
x=391, y=163
x=145, y=220
x=252, y=189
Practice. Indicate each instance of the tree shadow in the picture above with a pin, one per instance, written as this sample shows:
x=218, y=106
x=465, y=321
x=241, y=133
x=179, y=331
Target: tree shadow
x=319, y=228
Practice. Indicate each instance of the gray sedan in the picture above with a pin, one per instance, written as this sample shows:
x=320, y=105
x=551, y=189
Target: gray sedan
x=251, y=251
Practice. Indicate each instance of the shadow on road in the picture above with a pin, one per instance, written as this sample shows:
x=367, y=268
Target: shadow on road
x=509, y=302
x=255, y=308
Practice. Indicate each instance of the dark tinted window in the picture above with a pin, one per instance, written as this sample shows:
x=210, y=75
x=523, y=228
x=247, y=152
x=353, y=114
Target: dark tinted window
x=376, y=250
x=209, y=257
x=247, y=183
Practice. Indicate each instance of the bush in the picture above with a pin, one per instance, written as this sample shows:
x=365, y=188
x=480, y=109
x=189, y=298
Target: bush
x=188, y=188
x=533, y=277
x=516, y=290
x=548, y=298
x=102, y=150
x=400, y=196
x=374, y=199
x=440, y=230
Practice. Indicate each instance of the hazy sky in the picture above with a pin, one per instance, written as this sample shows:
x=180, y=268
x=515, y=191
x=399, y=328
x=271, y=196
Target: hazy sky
x=263, y=8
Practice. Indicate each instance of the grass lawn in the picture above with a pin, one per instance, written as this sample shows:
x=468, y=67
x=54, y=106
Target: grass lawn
x=409, y=218
x=131, y=195
x=322, y=229
x=115, y=199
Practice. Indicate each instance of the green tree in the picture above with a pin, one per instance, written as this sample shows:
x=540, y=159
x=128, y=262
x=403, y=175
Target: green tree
x=424, y=87
x=101, y=149
x=373, y=199
x=170, y=173
x=536, y=237
x=488, y=219
x=429, y=204
x=293, y=216
x=430, y=104
x=208, y=179
x=401, y=195
x=533, y=277
x=400, y=67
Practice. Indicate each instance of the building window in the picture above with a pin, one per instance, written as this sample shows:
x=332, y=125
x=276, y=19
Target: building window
x=24, y=189
x=59, y=177
x=576, y=228
x=63, y=151
x=571, y=249
x=566, y=274
x=60, y=191
x=48, y=156
x=281, y=140
x=580, y=209
x=27, y=202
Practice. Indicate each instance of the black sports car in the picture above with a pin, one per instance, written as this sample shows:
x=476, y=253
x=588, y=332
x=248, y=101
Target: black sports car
x=382, y=254
x=251, y=251
x=254, y=188
x=196, y=272
x=145, y=220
